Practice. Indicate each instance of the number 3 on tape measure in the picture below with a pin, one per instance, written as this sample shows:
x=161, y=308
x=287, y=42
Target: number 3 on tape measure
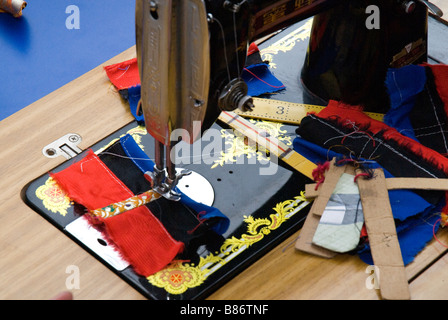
x=280, y=110
x=286, y=112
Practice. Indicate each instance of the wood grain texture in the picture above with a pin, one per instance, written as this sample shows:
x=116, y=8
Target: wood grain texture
x=35, y=254
x=442, y=4
x=383, y=237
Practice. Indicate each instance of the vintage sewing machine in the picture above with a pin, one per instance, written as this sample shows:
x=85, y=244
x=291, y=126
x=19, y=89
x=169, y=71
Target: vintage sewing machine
x=191, y=54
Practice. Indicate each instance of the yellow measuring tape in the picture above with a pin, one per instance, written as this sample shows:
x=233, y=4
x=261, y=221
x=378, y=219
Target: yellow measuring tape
x=279, y=111
x=287, y=112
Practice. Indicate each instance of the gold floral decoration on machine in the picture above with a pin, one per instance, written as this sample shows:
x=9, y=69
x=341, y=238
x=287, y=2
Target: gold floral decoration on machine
x=53, y=197
x=287, y=43
x=238, y=145
x=178, y=277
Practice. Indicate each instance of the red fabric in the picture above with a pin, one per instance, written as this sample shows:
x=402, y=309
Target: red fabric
x=253, y=48
x=124, y=75
x=353, y=117
x=89, y=182
x=141, y=238
x=440, y=72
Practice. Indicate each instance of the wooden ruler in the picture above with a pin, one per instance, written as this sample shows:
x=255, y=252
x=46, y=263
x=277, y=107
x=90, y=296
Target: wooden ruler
x=383, y=239
x=276, y=147
x=287, y=112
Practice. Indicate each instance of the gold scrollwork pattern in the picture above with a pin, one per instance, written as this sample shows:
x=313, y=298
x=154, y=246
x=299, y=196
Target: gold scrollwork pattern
x=237, y=145
x=178, y=277
x=286, y=43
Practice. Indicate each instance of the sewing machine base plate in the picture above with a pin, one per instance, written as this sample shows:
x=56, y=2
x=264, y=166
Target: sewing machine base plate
x=263, y=210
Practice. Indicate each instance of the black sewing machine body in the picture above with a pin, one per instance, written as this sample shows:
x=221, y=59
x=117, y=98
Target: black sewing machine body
x=191, y=54
x=352, y=45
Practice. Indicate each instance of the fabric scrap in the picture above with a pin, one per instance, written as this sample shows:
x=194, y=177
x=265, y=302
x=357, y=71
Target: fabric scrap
x=124, y=75
x=217, y=220
x=403, y=94
x=419, y=104
x=340, y=226
x=186, y=221
x=258, y=76
x=133, y=95
x=138, y=234
x=347, y=130
x=413, y=213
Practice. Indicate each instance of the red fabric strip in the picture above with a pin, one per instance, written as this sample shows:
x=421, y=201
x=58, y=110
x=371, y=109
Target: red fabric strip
x=253, y=48
x=353, y=117
x=143, y=240
x=124, y=75
x=89, y=182
x=440, y=73
x=140, y=236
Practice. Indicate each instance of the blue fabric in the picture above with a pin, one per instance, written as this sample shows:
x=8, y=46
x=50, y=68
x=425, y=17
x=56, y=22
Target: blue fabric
x=403, y=85
x=412, y=236
x=260, y=80
x=263, y=82
x=415, y=216
x=144, y=163
x=133, y=97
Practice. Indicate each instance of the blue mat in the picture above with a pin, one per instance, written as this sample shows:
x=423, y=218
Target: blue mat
x=39, y=54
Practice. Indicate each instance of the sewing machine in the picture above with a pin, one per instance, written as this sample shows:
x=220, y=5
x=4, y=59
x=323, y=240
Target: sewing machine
x=298, y=284
x=191, y=54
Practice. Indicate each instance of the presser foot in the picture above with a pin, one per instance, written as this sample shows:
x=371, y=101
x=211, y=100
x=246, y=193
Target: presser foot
x=164, y=185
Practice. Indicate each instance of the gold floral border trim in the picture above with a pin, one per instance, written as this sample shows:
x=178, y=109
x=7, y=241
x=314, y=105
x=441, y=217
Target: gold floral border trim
x=237, y=145
x=287, y=43
x=178, y=277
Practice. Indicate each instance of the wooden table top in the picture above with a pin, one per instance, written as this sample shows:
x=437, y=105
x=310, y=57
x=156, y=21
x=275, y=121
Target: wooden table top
x=36, y=257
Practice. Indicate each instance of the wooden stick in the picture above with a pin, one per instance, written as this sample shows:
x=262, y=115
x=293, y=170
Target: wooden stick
x=383, y=237
x=395, y=184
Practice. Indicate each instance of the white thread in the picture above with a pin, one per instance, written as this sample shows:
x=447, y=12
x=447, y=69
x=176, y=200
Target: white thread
x=384, y=143
x=437, y=118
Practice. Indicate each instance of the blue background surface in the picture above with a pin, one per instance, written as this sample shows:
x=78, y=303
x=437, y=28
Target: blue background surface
x=38, y=54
